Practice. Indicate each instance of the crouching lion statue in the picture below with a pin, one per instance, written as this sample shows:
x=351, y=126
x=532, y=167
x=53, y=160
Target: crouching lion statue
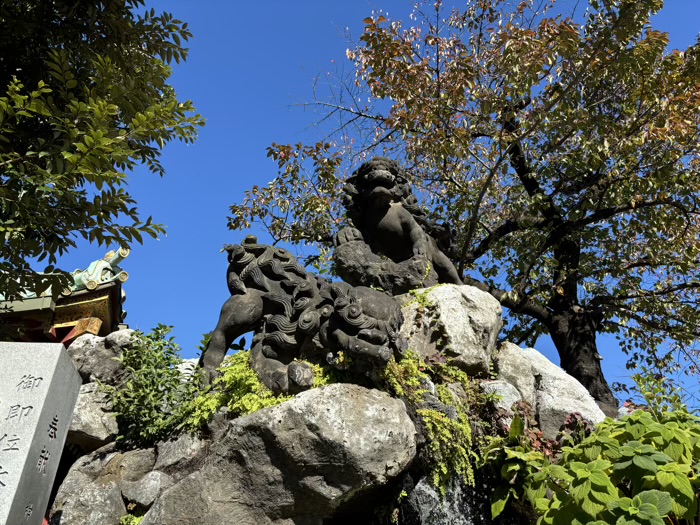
x=297, y=315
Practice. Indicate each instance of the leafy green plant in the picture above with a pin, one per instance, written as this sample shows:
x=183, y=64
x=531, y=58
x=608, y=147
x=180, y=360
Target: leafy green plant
x=237, y=388
x=641, y=469
x=85, y=98
x=153, y=399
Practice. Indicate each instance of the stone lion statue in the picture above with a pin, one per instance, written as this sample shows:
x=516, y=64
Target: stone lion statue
x=297, y=315
x=393, y=245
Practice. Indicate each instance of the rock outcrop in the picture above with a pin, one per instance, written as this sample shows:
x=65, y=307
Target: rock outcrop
x=93, y=424
x=96, y=357
x=307, y=457
x=327, y=454
x=461, y=323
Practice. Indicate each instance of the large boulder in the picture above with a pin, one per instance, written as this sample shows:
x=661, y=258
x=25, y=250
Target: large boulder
x=92, y=492
x=513, y=366
x=558, y=395
x=96, y=358
x=298, y=462
x=294, y=463
x=93, y=424
x=459, y=322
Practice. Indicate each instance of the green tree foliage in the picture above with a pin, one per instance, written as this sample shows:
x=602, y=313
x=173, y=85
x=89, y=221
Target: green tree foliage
x=84, y=98
x=561, y=143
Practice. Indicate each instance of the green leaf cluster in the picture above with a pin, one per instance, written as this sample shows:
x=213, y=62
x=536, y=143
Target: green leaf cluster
x=78, y=111
x=153, y=399
x=640, y=469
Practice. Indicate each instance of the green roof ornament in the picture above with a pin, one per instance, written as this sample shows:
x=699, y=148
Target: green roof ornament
x=102, y=271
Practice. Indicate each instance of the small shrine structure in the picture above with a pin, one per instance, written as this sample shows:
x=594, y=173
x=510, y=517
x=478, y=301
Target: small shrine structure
x=93, y=304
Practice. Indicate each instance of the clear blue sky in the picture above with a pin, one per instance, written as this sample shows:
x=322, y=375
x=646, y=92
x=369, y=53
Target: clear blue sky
x=249, y=63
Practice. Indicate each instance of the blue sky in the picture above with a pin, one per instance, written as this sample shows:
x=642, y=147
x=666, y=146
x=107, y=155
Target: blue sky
x=249, y=64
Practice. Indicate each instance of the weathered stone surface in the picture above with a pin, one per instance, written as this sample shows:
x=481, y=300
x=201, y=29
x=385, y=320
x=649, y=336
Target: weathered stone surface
x=145, y=491
x=558, y=394
x=505, y=393
x=38, y=389
x=94, y=424
x=177, y=456
x=298, y=461
x=94, y=356
x=514, y=367
x=91, y=494
x=93, y=504
x=70, y=507
x=461, y=505
x=460, y=322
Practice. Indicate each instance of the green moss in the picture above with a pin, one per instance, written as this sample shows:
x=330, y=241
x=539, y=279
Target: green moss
x=449, y=444
x=407, y=378
x=449, y=447
x=238, y=388
x=420, y=297
x=130, y=519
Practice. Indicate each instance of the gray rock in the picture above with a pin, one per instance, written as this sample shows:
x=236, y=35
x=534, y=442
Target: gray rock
x=558, y=395
x=459, y=506
x=178, y=456
x=91, y=494
x=460, y=322
x=94, y=504
x=95, y=357
x=506, y=394
x=78, y=502
x=93, y=424
x=132, y=465
x=513, y=366
x=296, y=462
x=119, y=339
x=145, y=491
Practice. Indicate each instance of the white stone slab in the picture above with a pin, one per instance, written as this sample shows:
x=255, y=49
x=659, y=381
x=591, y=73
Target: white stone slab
x=38, y=389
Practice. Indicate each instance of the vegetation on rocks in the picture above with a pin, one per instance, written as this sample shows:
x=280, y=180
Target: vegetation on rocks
x=450, y=447
x=153, y=398
x=237, y=388
x=641, y=469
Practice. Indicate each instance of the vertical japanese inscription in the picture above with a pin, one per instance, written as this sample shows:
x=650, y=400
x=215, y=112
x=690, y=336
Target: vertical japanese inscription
x=38, y=389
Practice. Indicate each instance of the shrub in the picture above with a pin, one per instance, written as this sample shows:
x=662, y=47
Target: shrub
x=237, y=388
x=154, y=399
x=641, y=469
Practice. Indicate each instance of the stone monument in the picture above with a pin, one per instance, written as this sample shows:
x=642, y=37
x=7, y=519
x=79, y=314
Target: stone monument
x=39, y=386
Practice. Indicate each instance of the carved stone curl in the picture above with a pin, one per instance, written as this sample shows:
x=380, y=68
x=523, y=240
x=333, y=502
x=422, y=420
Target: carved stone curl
x=393, y=245
x=295, y=314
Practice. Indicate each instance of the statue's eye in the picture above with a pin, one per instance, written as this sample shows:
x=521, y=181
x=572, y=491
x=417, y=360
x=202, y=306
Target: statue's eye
x=400, y=180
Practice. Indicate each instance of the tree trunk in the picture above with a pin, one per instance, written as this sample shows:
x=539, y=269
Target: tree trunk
x=574, y=335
